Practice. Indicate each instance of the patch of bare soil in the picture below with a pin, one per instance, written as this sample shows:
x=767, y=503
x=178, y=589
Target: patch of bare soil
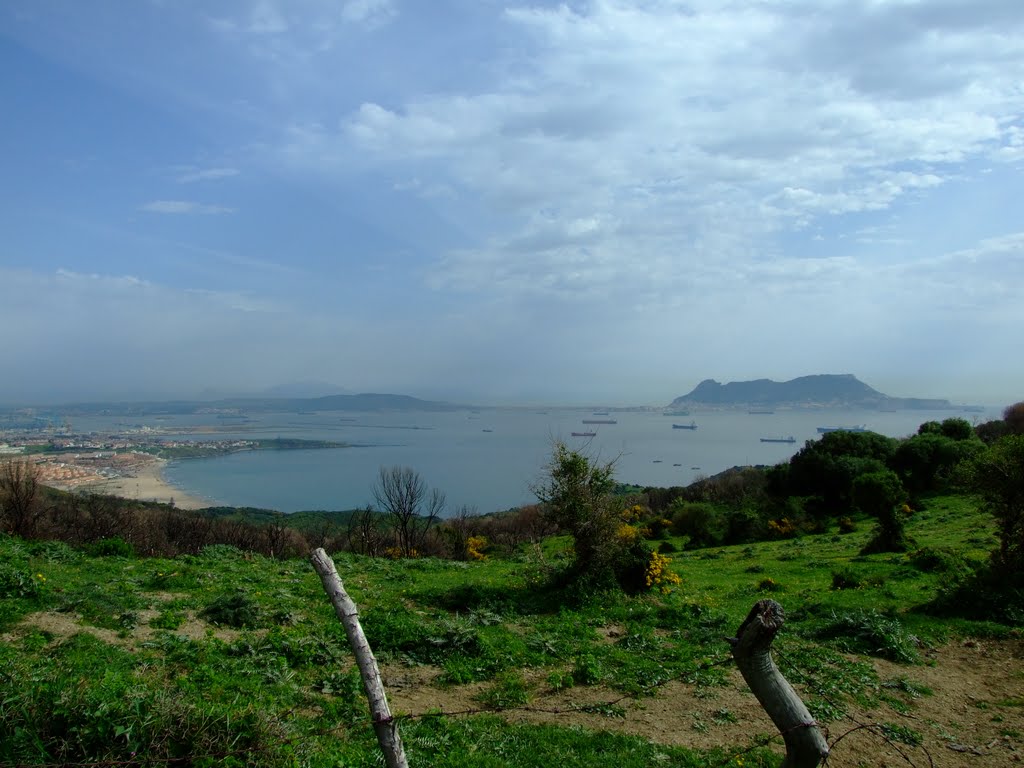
x=63, y=625
x=973, y=717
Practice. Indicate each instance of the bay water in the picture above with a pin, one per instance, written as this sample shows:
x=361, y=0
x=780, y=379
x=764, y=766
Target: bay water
x=490, y=459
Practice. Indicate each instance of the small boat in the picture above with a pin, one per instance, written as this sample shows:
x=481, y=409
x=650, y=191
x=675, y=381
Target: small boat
x=584, y=434
x=487, y=430
x=789, y=439
x=677, y=465
x=656, y=461
x=855, y=428
x=691, y=425
x=694, y=467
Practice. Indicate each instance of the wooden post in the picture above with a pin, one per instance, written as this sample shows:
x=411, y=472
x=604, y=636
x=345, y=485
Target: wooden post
x=805, y=746
x=383, y=724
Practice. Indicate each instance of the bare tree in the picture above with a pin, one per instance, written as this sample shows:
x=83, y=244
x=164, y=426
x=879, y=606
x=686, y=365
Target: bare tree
x=364, y=533
x=19, y=488
x=411, y=507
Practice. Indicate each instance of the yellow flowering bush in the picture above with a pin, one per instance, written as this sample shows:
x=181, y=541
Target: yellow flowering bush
x=633, y=513
x=658, y=573
x=475, y=545
x=627, y=533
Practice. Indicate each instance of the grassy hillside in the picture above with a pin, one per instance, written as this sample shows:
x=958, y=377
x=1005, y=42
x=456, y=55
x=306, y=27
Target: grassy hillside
x=225, y=658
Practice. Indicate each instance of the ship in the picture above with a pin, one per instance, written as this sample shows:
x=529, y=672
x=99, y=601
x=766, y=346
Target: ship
x=760, y=411
x=855, y=428
x=584, y=434
x=691, y=425
x=789, y=439
x=600, y=421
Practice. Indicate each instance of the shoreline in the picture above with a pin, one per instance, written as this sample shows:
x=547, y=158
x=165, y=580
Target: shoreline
x=147, y=483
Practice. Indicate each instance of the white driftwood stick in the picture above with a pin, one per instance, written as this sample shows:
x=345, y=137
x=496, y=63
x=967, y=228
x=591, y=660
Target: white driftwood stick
x=383, y=724
x=805, y=746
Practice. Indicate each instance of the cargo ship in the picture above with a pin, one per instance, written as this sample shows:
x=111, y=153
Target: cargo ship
x=584, y=434
x=691, y=425
x=855, y=428
x=600, y=421
x=789, y=439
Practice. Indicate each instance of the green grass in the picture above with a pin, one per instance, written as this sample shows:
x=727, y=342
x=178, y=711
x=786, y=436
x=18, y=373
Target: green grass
x=279, y=687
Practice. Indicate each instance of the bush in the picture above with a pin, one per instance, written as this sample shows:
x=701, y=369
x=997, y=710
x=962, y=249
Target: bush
x=848, y=578
x=114, y=547
x=931, y=560
x=236, y=610
x=701, y=522
x=874, y=634
x=17, y=581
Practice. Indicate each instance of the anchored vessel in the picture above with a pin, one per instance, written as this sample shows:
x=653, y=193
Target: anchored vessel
x=691, y=425
x=789, y=439
x=855, y=428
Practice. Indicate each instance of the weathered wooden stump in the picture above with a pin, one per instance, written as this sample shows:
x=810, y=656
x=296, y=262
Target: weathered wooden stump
x=751, y=648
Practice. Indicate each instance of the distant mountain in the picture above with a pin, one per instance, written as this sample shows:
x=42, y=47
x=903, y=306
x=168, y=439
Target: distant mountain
x=363, y=402
x=305, y=389
x=823, y=390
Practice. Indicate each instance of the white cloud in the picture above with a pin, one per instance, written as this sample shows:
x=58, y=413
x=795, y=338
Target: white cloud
x=183, y=207
x=369, y=12
x=706, y=131
x=192, y=174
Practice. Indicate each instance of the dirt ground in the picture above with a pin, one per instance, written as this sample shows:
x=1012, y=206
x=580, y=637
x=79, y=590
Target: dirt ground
x=973, y=717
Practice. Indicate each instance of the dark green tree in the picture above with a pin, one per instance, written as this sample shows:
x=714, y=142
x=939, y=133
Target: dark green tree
x=997, y=475
x=925, y=462
x=881, y=495
x=1013, y=417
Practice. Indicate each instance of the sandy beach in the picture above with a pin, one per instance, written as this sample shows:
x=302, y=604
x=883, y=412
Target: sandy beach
x=146, y=483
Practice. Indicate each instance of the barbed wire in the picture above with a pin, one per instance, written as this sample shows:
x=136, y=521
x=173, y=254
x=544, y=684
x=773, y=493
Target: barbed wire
x=877, y=729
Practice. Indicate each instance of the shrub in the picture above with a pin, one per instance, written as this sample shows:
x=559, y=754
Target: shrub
x=931, y=560
x=17, y=581
x=847, y=578
x=509, y=690
x=608, y=551
x=872, y=633
x=113, y=547
x=236, y=610
x=701, y=522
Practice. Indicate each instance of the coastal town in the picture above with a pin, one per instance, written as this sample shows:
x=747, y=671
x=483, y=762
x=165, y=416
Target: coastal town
x=125, y=463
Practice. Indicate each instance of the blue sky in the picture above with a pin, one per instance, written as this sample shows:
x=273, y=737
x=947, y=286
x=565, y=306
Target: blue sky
x=510, y=202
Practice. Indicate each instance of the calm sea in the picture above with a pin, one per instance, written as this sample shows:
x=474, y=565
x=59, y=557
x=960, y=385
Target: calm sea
x=488, y=460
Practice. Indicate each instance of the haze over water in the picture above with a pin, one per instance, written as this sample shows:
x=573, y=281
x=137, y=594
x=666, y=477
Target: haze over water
x=489, y=459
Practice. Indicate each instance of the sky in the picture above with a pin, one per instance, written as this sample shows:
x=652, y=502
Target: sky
x=501, y=202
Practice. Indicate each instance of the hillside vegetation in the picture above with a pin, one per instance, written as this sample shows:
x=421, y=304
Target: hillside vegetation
x=515, y=651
